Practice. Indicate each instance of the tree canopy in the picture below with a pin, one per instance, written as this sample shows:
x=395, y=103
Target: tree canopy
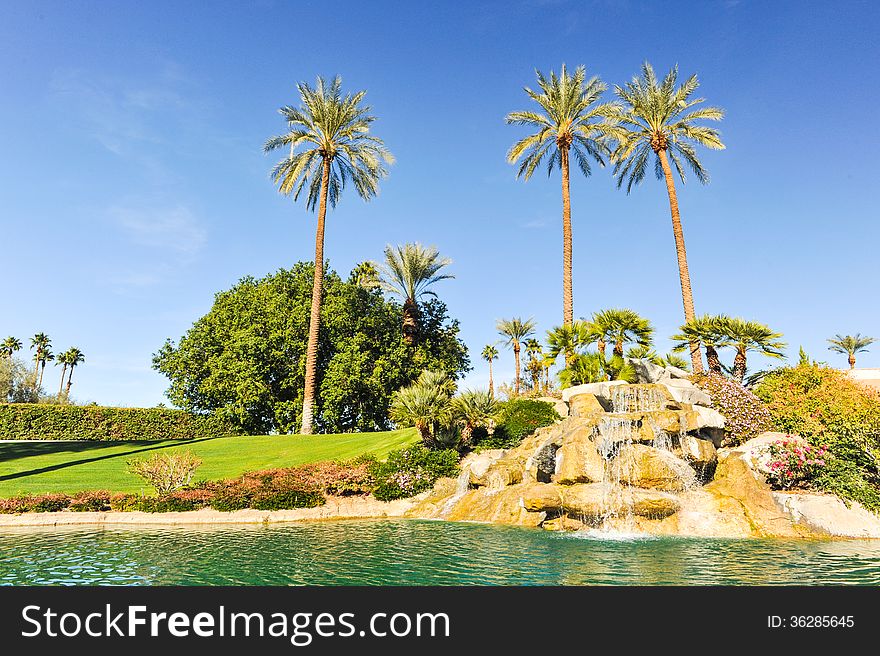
x=245, y=357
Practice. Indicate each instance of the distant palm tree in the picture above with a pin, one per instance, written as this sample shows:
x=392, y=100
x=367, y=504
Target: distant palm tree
x=490, y=352
x=850, y=345
x=660, y=118
x=62, y=359
x=10, y=345
x=365, y=275
x=474, y=409
x=515, y=331
x=570, y=121
x=535, y=365
x=40, y=342
x=45, y=356
x=710, y=331
x=333, y=131
x=620, y=327
x=408, y=272
x=74, y=357
x=746, y=336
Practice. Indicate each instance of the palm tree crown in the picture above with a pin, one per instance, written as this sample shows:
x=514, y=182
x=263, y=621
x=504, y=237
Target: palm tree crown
x=751, y=336
x=710, y=331
x=515, y=330
x=567, y=340
x=620, y=327
x=408, y=272
x=490, y=353
x=660, y=117
x=850, y=345
x=333, y=130
x=10, y=345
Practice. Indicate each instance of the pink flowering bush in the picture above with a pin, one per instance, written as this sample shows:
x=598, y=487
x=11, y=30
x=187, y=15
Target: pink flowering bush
x=745, y=415
x=411, y=471
x=793, y=463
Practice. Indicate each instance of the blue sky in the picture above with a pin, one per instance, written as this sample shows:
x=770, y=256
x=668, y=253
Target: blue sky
x=134, y=186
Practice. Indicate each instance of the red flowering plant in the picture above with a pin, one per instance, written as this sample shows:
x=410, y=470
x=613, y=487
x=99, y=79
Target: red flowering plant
x=793, y=463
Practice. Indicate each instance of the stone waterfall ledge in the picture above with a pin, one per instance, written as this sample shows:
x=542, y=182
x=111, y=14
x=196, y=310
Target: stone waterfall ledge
x=829, y=515
x=335, y=508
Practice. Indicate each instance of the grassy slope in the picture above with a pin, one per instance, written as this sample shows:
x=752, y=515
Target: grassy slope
x=37, y=466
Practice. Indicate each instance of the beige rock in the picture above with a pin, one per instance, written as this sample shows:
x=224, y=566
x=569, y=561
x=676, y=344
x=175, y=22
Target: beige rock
x=578, y=461
x=592, y=501
x=584, y=405
x=644, y=466
x=698, y=452
x=559, y=405
x=601, y=391
x=829, y=515
x=562, y=523
x=477, y=464
x=708, y=417
x=500, y=506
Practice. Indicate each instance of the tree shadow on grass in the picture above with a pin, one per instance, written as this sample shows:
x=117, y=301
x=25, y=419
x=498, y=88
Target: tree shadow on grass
x=24, y=449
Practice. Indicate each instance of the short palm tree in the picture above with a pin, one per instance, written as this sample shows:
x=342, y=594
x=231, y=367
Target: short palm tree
x=329, y=144
x=515, y=331
x=490, y=353
x=850, y=345
x=40, y=342
x=710, y=331
x=425, y=404
x=408, y=272
x=10, y=345
x=750, y=336
x=535, y=365
x=583, y=368
x=661, y=118
x=673, y=360
x=568, y=339
x=570, y=121
x=620, y=327
x=474, y=409
x=645, y=353
x=74, y=357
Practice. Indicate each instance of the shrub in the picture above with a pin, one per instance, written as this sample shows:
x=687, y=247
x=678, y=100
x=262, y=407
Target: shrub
x=517, y=419
x=793, y=463
x=830, y=410
x=745, y=415
x=27, y=421
x=411, y=471
x=90, y=501
x=35, y=503
x=166, y=471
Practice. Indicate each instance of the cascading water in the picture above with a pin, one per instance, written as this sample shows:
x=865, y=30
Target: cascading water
x=636, y=398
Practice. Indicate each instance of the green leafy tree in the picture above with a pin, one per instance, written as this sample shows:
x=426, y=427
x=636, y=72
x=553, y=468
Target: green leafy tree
x=10, y=345
x=490, y=353
x=661, y=118
x=329, y=145
x=245, y=357
x=408, y=273
x=515, y=331
x=849, y=345
x=620, y=327
x=750, y=336
x=708, y=330
x=570, y=121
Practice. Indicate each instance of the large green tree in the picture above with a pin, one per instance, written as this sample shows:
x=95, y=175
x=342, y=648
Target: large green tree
x=245, y=357
x=660, y=118
x=329, y=144
x=570, y=121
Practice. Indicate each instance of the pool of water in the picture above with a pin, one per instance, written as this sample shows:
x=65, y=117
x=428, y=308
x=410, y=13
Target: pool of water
x=416, y=553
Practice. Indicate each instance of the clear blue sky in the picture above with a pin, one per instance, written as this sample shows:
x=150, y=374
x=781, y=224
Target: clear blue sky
x=133, y=185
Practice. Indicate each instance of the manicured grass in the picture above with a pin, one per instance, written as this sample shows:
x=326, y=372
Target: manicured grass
x=32, y=467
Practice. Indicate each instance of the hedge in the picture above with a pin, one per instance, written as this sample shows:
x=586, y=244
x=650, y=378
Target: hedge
x=27, y=421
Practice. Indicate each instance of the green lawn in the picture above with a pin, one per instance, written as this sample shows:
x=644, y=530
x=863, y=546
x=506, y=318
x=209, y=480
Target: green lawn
x=30, y=467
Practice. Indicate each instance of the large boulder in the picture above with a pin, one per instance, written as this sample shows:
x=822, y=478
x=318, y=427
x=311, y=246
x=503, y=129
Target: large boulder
x=559, y=405
x=578, y=461
x=648, y=372
x=584, y=405
x=602, y=391
x=699, y=453
x=684, y=391
x=709, y=418
x=644, y=466
x=593, y=501
x=477, y=464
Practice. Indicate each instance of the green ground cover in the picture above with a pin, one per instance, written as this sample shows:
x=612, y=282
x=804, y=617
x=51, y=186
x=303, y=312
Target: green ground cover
x=35, y=467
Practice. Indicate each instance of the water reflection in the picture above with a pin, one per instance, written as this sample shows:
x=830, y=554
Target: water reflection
x=415, y=553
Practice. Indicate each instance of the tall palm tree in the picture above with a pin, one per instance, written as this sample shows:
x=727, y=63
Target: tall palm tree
x=710, y=331
x=74, y=357
x=329, y=144
x=660, y=118
x=490, y=352
x=567, y=339
x=515, y=331
x=45, y=356
x=408, y=272
x=747, y=336
x=40, y=342
x=570, y=121
x=850, y=345
x=10, y=345
x=62, y=359
x=620, y=327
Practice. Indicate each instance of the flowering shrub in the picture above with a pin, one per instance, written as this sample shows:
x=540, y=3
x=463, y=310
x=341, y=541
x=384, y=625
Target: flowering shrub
x=90, y=501
x=793, y=463
x=410, y=471
x=745, y=415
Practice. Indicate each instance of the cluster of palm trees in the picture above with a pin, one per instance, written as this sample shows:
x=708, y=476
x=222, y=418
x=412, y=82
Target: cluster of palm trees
x=328, y=144
x=42, y=347
x=652, y=120
x=443, y=418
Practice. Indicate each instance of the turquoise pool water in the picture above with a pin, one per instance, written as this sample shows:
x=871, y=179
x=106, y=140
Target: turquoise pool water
x=415, y=553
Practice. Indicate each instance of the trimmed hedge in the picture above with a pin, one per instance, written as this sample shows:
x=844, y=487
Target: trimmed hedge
x=30, y=421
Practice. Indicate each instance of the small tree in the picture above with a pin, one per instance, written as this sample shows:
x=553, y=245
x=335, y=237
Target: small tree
x=425, y=404
x=474, y=409
x=166, y=471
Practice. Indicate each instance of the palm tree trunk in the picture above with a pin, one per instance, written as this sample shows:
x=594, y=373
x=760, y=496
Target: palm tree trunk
x=618, y=349
x=712, y=359
x=491, y=381
x=600, y=345
x=315, y=319
x=37, y=367
x=852, y=360
x=63, y=371
x=516, y=375
x=739, y=364
x=69, y=381
x=567, y=302
x=410, y=321
x=687, y=295
x=42, y=365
